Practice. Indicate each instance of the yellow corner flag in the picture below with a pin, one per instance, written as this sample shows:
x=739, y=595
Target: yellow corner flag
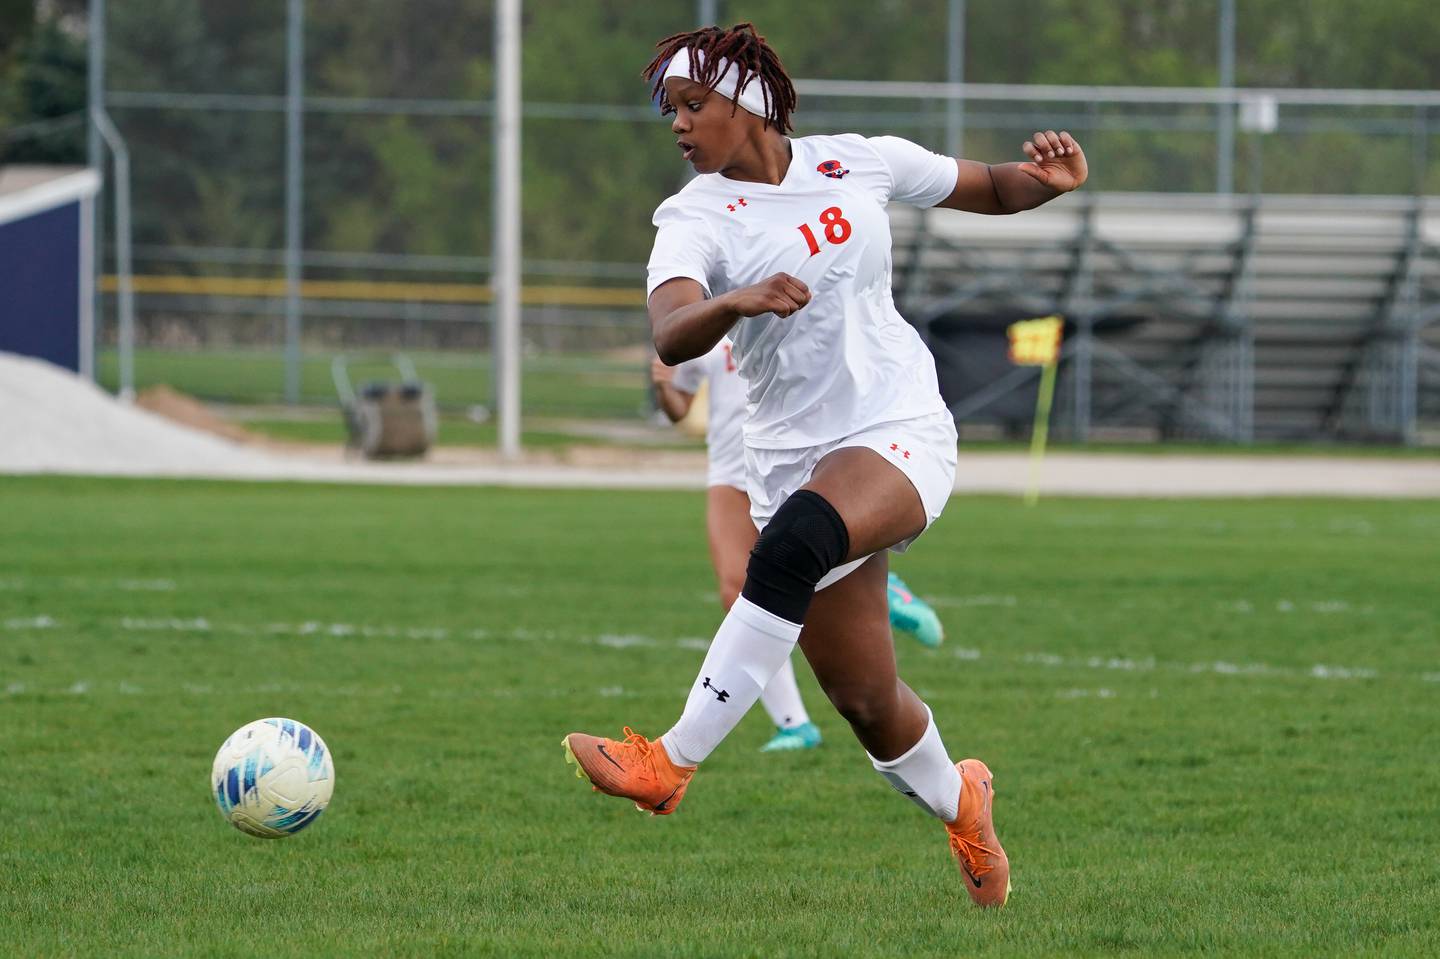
x=1037, y=343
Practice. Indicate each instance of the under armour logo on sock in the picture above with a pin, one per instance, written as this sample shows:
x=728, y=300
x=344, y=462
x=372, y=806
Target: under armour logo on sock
x=720, y=694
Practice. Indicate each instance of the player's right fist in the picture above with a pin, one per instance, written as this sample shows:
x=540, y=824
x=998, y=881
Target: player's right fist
x=660, y=374
x=780, y=294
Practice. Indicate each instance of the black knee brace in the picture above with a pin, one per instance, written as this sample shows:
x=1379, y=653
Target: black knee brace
x=805, y=540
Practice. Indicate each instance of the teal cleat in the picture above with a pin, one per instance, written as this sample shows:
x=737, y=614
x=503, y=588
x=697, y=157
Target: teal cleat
x=805, y=736
x=911, y=614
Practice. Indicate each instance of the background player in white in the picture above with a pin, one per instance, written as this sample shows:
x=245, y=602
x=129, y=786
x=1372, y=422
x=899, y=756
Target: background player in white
x=784, y=244
x=732, y=534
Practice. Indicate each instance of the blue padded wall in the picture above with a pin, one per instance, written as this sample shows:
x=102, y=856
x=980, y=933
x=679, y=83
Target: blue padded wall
x=40, y=286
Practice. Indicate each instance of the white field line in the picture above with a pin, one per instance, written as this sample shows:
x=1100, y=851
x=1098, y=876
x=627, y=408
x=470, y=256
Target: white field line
x=1321, y=671
x=1101, y=693
x=197, y=625
x=146, y=585
x=1217, y=667
x=29, y=622
x=626, y=641
x=1071, y=474
x=313, y=690
x=1241, y=606
x=78, y=583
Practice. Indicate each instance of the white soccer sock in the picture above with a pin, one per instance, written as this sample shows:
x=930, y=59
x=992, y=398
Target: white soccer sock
x=748, y=649
x=782, y=701
x=925, y=774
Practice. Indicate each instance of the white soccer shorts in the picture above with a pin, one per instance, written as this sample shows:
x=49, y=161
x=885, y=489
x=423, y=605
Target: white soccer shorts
x=924, y=449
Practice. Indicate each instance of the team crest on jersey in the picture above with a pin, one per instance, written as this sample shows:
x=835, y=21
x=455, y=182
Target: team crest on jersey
x=832, y=169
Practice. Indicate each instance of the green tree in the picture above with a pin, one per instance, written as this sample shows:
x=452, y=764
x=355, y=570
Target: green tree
x=42, y=96
x=423, y=183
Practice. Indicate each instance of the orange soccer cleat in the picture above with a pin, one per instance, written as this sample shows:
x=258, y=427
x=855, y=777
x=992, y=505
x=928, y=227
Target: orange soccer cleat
x=635, y=769
x=972, y=837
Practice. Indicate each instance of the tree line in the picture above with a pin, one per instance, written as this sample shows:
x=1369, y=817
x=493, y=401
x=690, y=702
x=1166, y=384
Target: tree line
x=417, y=183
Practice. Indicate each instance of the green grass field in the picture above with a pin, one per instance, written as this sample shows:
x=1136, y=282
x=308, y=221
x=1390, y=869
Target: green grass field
x=1213, y=727
x=577, y=385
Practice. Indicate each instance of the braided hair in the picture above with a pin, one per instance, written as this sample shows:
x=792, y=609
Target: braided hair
x=742, y=46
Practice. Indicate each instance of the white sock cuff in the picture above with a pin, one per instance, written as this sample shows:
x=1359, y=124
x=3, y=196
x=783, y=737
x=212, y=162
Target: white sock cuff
x=930, y=731
x=925, y=775
x=764, y=621
x=676, y=749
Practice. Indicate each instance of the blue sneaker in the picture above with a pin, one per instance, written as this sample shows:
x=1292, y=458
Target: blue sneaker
x=806, y=736
x=911, y=614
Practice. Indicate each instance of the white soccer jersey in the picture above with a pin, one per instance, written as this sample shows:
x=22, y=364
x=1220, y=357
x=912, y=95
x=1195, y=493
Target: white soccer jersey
x=848, y=360
x=725, y=416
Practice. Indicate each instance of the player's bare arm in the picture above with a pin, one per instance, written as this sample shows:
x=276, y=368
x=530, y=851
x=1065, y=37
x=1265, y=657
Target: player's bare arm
x=674, y=401
x=1056, y=166
x=685, y=324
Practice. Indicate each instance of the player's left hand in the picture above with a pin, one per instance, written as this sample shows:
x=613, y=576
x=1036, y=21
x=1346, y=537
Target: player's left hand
x=660, y=374
x=1056, y=161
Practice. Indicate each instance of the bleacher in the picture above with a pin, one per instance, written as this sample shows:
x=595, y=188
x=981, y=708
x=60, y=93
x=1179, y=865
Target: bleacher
x=1199, y=316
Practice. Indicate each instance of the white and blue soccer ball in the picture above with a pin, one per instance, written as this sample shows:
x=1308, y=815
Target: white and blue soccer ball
x=272, y=778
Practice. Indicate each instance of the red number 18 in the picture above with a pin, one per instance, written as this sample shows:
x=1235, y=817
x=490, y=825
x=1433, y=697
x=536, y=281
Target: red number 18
x=837, y=229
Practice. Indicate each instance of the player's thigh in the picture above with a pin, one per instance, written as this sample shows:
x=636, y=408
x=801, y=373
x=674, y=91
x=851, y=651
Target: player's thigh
x=846, y=637
x=732, y=536
x=879, y=503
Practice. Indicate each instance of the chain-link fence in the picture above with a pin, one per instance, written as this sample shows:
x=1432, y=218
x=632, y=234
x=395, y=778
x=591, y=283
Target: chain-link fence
x=396, y=172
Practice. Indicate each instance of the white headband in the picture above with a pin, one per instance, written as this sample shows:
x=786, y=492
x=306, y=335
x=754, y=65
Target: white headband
x=752, y=98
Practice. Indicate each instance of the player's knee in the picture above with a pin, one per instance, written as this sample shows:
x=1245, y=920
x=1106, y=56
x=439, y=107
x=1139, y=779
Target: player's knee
x=804, y=541
x=863, y=705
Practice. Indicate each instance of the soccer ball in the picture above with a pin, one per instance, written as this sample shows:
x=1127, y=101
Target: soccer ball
x=272, y=778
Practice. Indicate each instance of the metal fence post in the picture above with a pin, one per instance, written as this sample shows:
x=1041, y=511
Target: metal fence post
x=1082, y=372
x=1079, y=306
x=87, y=287
x=955, y=73
x=505, y=281
x=1420, y=149
x=95, y=158
x=123, y=269
x=294, y=191
x=1407, y=401
x=1225, y=133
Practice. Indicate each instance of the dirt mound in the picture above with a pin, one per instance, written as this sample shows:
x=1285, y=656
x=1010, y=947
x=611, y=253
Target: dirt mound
x=186, y=410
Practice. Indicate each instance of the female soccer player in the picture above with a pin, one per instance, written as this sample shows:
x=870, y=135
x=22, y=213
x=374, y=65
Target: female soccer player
x=784, y=244
x=732, y=534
